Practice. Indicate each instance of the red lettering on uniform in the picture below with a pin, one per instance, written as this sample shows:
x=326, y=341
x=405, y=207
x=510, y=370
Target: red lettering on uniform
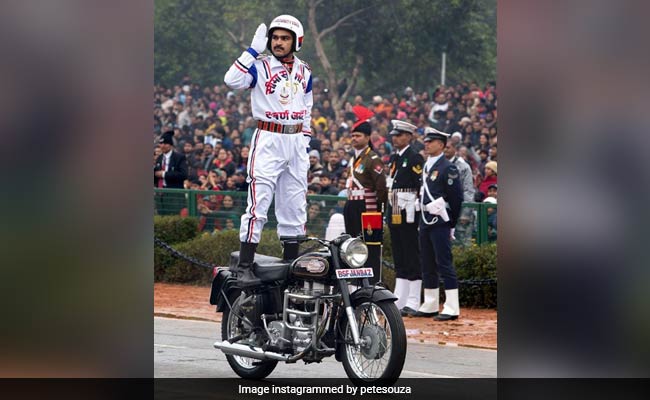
x=274, y=80
x=298, y=114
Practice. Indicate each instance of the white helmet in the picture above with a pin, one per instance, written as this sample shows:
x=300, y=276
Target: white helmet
x=291, y=24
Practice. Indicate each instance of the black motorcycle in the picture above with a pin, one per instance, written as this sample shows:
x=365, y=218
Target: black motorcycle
x=303, y=310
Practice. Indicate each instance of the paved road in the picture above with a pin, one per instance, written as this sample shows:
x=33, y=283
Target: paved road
x=183, y=349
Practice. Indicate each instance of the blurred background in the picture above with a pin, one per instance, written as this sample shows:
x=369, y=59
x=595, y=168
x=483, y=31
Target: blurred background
x=574, y=189
x=75, y=237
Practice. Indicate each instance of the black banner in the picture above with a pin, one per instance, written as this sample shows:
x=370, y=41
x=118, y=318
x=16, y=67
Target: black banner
x=324, y=389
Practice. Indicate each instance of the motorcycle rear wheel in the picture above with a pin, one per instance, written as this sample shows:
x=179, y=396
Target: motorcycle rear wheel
x=381, y=359
x=247, y=368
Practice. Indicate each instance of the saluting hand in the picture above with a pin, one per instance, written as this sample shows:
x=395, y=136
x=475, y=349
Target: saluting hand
x=260, y=39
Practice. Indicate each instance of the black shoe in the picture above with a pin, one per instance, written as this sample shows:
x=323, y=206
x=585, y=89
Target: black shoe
x=425, y=314
x=245, y=276
x=445, y=317
x=244, y=270
x=407, y=312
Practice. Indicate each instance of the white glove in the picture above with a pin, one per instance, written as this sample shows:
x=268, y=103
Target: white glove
x=437, y=207
x=432, y=208
x=451, y=234
x=260, y=39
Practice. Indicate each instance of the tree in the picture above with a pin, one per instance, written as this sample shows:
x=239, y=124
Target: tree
x=376, y=46
x=189, y=40
x=330, y=72
x=402, y=43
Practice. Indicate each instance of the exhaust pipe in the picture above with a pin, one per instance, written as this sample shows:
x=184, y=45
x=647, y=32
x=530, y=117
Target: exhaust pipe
x=248, y=351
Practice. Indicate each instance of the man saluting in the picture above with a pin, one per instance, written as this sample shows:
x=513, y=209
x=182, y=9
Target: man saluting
x=281, y=101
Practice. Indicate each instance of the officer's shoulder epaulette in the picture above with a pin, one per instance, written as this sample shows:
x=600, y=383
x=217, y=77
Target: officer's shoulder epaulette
x=374, y=156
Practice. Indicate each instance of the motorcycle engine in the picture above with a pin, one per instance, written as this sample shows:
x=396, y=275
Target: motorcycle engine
x=278, y=334
x=311, y=288
x=297, y=332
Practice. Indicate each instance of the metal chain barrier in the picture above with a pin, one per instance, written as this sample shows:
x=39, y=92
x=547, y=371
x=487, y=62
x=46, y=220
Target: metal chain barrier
x=178, y=254
x=183, y=256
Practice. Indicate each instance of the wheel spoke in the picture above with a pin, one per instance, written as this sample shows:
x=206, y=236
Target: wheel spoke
x=372, y=317
x=236, y=327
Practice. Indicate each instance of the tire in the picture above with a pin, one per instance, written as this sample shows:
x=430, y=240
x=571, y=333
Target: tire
x=243, y=366
x=381, y=362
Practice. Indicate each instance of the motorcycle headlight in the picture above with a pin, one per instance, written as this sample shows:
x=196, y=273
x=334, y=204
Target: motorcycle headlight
x=354, y=252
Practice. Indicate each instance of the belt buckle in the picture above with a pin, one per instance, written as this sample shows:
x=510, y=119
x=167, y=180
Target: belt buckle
x=290, y=129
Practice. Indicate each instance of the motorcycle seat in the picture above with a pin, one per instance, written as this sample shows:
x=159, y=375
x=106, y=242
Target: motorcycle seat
x=266, y=268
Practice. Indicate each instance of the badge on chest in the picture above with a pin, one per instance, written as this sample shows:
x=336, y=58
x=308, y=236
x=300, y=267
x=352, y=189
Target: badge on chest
x=434, y=175
x=360, y=169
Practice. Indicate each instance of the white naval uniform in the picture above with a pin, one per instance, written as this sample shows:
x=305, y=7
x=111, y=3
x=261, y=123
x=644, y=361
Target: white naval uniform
x=278, y=162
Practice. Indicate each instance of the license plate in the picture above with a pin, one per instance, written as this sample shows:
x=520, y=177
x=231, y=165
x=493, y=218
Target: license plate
x=354, y=273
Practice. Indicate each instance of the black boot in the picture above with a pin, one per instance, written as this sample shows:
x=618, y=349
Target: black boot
x=290, y=250
x=244, y=270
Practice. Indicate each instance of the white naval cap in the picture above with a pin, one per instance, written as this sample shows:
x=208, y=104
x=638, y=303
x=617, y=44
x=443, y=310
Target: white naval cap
x=432, y=133
x=402, y=126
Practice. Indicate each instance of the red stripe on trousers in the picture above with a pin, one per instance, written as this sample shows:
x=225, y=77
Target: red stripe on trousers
x=253, y=218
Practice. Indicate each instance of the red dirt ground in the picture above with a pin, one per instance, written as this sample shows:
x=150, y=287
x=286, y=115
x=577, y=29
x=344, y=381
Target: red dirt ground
x=474, y=328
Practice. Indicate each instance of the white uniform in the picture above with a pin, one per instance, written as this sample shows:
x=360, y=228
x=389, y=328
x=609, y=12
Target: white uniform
x=278, y=162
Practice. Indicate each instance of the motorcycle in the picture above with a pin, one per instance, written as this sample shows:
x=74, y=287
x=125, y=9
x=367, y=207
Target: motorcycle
x=304, y=310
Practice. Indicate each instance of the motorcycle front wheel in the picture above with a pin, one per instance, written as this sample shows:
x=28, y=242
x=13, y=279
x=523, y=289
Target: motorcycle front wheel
x=231, y=326
x=381, y=356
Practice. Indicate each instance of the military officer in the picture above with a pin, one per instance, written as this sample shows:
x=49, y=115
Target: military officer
x=403, y=216
x=441, y=197
x=468, y=216
x=366, y=186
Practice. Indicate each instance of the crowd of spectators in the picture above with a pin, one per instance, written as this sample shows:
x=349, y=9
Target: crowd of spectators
x=213, y=127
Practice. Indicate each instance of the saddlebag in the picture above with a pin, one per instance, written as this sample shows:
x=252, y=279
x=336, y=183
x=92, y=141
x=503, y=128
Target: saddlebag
x=223, y=284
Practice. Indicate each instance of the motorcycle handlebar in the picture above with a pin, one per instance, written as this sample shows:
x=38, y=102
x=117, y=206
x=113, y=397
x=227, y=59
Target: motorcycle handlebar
x=300, y=239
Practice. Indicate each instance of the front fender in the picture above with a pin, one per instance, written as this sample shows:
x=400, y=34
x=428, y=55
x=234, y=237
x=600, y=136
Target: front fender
x=224, y=283
x=375, y=294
